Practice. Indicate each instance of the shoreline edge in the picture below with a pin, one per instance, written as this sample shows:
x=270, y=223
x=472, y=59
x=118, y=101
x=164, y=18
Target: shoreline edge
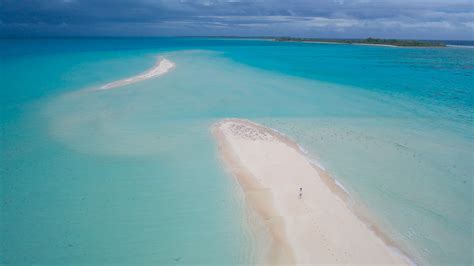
x=320, y=227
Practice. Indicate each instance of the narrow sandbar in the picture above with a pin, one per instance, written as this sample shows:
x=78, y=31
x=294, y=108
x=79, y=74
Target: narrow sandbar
x=319, y=227
x=162, y=66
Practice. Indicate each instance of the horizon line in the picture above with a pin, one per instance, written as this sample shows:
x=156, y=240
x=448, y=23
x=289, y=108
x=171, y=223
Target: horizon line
x=207, y=36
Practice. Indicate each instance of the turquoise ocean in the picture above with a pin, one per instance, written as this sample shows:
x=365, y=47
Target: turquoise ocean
x=132, y=175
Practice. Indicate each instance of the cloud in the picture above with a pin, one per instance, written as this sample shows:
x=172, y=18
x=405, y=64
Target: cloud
x=432, y=19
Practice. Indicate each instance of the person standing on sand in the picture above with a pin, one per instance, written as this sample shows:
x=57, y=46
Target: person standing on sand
x=301, y=192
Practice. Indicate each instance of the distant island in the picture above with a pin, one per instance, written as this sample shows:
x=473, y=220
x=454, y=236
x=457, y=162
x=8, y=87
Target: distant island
x=368, y=41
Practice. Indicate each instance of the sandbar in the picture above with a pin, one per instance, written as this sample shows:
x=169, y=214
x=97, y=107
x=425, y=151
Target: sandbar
x=161, y=67
x=317, y=228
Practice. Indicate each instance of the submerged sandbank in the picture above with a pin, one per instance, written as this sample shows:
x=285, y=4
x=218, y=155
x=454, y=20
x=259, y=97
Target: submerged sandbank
x=319, y=227
x=161, y=67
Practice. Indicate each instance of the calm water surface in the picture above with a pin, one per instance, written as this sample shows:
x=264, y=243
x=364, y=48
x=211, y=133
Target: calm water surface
x=131, y=175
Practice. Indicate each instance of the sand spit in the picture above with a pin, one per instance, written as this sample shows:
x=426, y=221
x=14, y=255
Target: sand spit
x=162, y=67
x=319, y=227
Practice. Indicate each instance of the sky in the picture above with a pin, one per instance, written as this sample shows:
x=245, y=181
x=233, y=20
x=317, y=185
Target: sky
x=408, y=19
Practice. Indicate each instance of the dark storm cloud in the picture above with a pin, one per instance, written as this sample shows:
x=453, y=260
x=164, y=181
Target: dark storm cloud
x=324, y=18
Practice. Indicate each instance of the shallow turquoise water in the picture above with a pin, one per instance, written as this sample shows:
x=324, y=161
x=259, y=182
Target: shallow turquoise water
x=131, y=175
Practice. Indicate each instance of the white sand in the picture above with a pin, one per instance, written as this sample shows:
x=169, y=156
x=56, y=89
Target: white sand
x=319, y=228
x=162, y=67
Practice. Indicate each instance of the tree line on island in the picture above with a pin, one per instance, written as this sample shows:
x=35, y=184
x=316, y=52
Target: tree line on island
x=393, y=42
